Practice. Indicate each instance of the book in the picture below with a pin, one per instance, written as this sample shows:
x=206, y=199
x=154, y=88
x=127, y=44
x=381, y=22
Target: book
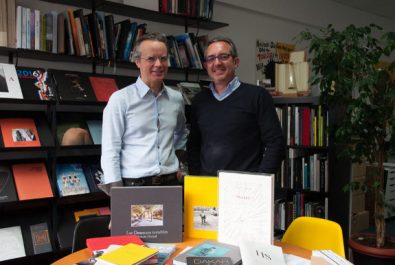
x=98, y=243
x=95, y=129
x=94, y=176
x=86, y=213
x=245, y=207
x=153, y=213
x=7, y=186
x=35, y=83
x=165, y=251
x=40, y=238
x=210, y=260
x=19, y=132
x=31, y=181
x=103, y=87
x=253, y=252
x=72, y=133
x=127, y=255
x=11, y=243
x=210, y=248
x=70, y=179
x=9, y=83
x=329, y=257
x=200, y=207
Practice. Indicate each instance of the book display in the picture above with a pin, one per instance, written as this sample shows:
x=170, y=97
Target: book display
x=19, y=133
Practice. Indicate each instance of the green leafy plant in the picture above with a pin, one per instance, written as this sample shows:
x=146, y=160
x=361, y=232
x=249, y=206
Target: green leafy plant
x=346, y=67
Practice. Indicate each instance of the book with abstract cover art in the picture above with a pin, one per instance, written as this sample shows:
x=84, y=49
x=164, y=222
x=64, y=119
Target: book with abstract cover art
x=103, y=87
x=153, y=213
x=9, y=83
x=11, y=243
x=72, y=133
x=40, y=238
x=35, y=84
x=70, y=179
x=201, y=208
x=245, y=207
x=73, y=86
x=19, y=132
x=7, y=186
x=95, y=129
x=94, y=176
x=31, y=181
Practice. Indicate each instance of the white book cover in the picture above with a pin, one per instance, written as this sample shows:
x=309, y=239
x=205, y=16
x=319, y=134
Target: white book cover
x=37, y=29
x=11, y=243
x=261, y=253
x=18, y=27
x=9, y=83
x=28, y=35
x=246, y=207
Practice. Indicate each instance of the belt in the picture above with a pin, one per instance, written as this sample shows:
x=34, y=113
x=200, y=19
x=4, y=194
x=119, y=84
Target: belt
x=150, y=180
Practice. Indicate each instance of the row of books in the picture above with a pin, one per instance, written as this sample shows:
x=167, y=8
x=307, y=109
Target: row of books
x=304, y=125
x=193, y=8
x=14, y=239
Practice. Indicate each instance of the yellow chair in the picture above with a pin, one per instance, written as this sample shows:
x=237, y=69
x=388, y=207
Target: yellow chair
x=315, y=234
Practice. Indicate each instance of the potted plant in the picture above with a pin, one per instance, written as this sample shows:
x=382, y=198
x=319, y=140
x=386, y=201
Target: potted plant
x=345, y=66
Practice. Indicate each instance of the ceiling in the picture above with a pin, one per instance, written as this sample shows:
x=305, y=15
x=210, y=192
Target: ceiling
x=383, y=8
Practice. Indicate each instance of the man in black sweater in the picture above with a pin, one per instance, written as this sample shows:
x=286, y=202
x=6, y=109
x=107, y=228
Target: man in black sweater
x=234, y=125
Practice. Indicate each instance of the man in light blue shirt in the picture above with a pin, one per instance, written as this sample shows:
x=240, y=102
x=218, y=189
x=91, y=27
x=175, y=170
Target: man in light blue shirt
x=144, y=124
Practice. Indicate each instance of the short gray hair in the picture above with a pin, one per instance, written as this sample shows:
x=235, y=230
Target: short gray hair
x=149, y=36
x=233, y=50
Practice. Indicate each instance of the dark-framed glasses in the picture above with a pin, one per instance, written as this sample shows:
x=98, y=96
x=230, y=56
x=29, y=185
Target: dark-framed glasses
x=153, y=59
x=221, y=57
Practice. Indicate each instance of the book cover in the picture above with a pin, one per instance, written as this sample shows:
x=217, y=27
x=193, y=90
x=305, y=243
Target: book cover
x=70, y=179
x=11, y=245
x=200, y=207
x=210, y=248
x=73, y=86
x=103, y=87
x=31, y=181
x=210, y=260
x=245, y=207
x=19, y=132
x=261, y=253
x=98, y=243
x=94, y=176
x=7, y=186
x=95, y=129
x=165, y=251
x=40, y=238
x=9, y=83
x=128, y=254
x=153, y=213
x=35, y=83
x=72, y=133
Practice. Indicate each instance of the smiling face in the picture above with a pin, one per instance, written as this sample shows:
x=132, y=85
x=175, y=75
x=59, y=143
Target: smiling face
x=221, y=69
x=152, y=73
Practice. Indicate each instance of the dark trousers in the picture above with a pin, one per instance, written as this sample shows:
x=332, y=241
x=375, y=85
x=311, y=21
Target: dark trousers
x=160, y=180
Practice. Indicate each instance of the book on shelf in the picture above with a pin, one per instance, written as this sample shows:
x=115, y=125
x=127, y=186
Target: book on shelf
x=98, y=243
x=94, y=176
x=210, y=248
x=103, y=87
x=148, y=212
x=28, y=177
x=3, y=24
x=95, y=130
x=200, y=208
x=70, y=179
x=9, y=83
x=86, y=213
x=7, y=186
x=245, y=207
x=35, y=83
x=126, y=255
x=19, y=132
x=72, y=133
x=11, y=246
x=40, y=238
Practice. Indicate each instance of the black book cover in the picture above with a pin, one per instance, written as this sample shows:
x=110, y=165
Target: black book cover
x=124, y=31
x=92, y=25
x=40, y=238
x=73, y=86
x=35, y=83
x=109, y=21
x=7, y=186
x=94, y=176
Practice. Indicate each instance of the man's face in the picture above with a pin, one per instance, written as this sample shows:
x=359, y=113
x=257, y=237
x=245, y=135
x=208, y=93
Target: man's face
x=220, y=65
x=152, y=63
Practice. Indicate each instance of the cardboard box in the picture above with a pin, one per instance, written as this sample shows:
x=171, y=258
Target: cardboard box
x=359, y=222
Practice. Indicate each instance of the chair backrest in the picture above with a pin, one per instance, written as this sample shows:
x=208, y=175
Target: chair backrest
x=95, y=226
x=315, y=234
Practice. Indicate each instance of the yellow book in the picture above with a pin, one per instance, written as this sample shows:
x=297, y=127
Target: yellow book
x=129, y=254
x=86, y=212
x=201, y=207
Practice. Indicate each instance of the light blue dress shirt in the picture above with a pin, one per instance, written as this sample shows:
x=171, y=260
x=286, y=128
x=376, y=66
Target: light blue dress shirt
x=232, y=86
x=141, y=132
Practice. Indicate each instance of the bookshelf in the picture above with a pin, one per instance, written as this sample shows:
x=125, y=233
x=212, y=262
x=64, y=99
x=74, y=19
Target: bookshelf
x=58, y=211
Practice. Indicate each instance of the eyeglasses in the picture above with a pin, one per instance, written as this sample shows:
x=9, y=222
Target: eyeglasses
x=221, y=57
x=153, y=59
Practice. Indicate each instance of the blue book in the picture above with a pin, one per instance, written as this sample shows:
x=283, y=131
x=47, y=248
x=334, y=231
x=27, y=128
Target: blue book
x=71, y=180
x=95, y=129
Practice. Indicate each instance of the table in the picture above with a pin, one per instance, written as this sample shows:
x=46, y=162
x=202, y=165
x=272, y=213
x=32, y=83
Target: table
x=85, y=254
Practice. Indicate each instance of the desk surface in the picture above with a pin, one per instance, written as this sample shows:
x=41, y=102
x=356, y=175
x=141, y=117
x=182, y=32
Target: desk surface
x=85, y=254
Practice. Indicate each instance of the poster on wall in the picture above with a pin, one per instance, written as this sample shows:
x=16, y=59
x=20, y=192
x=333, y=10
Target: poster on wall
x=268, y=53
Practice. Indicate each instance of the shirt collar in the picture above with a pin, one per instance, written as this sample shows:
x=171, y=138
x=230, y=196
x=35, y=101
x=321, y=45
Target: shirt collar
x=143, y=89
x=231, y=87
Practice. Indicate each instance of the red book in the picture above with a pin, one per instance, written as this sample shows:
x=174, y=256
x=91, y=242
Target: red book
x=31, y=181
x=103, y=87
x=306, y=123
x=99, y=243
x=21, y=132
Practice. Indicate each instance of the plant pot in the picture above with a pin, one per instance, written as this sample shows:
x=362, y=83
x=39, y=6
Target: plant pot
x=365, y=251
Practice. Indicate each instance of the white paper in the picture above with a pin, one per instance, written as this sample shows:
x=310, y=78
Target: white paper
x=254, y=253
x=295, y=260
